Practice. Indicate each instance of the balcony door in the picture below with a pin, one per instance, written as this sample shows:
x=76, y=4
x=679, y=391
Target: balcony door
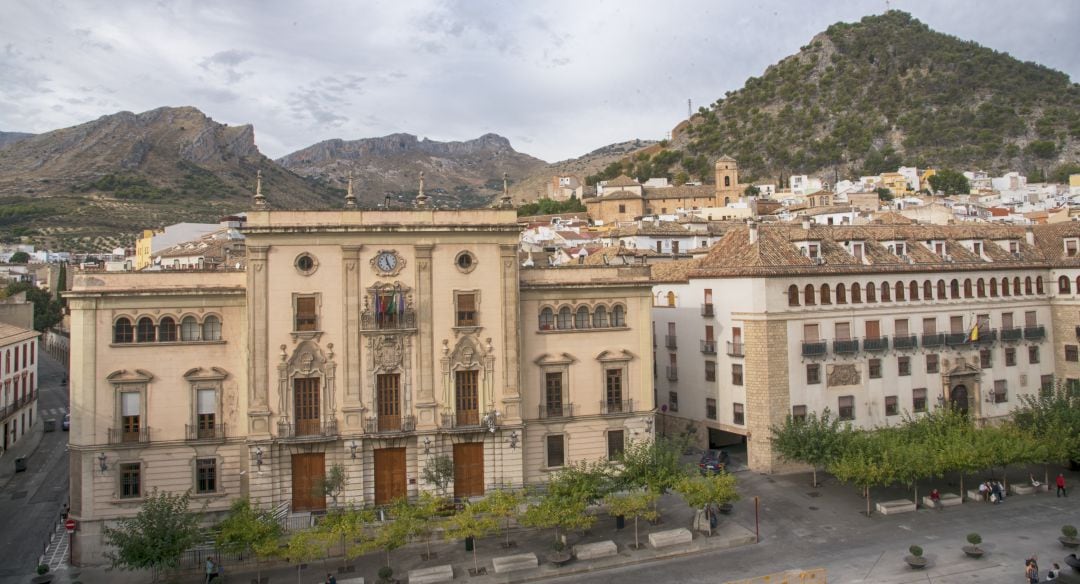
x=467, y=397
x=307, y=472
x=468, y=470
x=388, y=396
x=306, y=405
x=613, y=390
x=553, y=402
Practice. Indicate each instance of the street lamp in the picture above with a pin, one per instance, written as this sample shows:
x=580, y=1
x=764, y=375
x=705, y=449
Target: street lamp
x=513, y=439
x=103, y=462
x=352, y=449
x=427, y=444
x=259, y=457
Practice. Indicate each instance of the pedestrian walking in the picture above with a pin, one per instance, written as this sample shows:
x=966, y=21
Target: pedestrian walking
x=330, y=579
x=1031, y=572
x=1052, y=574
x=211, y=570
x=1061, y=485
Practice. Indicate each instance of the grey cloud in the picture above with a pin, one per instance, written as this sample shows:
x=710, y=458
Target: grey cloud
x=86, y=39
x=227, y=63
x=324, y=99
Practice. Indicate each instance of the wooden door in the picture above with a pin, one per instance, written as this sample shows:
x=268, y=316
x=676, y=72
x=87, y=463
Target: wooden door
x=388, y=399
x=389, y=475
x=307, y=471
x=468, y=470
x=306, y=405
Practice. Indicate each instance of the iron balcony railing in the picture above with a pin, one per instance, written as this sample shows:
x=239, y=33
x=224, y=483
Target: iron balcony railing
x=707, y=309
x=905, y=342
x=708, y=347
x=556, y=411
x=308, y=429
x=845, y=346
x=461, y=419
x=372, y=321
x=1012, y=334
x=211, y=432
x=124, y=436
x=987, y=337
x=876, y=345
x=956, y=339
x=672, y=373
x=617, y=406
x=1034, y=333
x=933, y=340
x=815, y=348
x=389, y=424
x=735, y=349
x=671, y=341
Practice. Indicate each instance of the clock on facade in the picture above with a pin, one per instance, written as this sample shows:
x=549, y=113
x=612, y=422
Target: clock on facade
x=387, y=263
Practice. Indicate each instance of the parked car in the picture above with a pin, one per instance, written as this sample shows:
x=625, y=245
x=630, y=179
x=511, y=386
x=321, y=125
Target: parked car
x=66, y=424
x=713, y=461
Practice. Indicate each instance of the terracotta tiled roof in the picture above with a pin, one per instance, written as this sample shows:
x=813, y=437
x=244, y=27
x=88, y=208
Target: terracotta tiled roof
x=681, y=192
x=892, y=218
x=619, y=195
x=676, y=271
x=814, y=211
x=622, y=181
x=617, y=254
x=651, y=228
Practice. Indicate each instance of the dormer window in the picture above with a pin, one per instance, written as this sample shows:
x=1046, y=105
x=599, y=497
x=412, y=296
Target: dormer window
x=1071, y=246
x=899, y=248
x=1014, y=247
x=858, y=249
x=976, y=248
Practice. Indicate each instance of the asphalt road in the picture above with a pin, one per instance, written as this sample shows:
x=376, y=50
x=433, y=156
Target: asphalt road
x=31, y=500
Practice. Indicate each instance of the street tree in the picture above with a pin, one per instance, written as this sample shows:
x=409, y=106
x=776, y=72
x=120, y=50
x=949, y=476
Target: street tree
x=350, y=527
x=1053, y=418
x=394, y=532
x=504, y=504
x=470, y=522
x=156, y=536
x=305, y=546
x=439, y=472
x=637, y=504
x=249, y=529
x=816, y=440
x=655, y=465
x=332, y=483
x=559, y=509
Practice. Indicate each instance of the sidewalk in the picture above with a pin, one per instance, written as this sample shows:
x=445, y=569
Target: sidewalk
x=26, y=446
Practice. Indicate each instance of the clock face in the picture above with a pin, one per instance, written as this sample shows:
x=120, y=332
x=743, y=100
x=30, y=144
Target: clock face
x=386, y=261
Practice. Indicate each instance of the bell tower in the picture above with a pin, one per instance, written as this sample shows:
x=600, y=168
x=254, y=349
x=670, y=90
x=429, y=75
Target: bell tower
x=727, y=180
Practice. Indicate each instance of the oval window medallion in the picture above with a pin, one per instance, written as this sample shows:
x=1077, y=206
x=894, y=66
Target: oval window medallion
x=465, y=262
x=306, y=264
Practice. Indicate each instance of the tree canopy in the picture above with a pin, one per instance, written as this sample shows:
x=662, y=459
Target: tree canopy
x=950, y=182
x=156, y=536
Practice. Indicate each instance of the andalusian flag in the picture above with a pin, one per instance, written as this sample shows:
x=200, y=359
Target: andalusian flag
x=974, y=334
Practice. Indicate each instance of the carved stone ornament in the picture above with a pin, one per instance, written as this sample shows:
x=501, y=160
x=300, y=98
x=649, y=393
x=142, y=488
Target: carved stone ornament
x=846, y=374
x=388, y=353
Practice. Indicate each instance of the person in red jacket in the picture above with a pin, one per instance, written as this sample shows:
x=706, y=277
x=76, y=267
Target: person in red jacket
x=1061, y=485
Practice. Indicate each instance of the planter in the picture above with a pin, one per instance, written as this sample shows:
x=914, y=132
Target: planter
x=1069, y=542
x=973, y=551
x=916, y=562
x=558, y=559
x=1073, y=562
x=42, y=578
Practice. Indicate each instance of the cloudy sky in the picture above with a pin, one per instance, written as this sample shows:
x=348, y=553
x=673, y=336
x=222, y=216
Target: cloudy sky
x=559, y=78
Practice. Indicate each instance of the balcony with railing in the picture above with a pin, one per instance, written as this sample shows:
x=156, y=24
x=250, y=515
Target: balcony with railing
x=672, y=373
x=845, y=346
x=1034, y=333
x=815, y=348
x=707, y=309
x=876, y=345
x=125, y=436
x=708, y=347
x=205, y=432
x=389, y=424
x=987, y=337
x=671, y=341
x=613, y=406
x=905, y=342
x=381, y=321
x=17, y=404
x=956, y=339
x=1012, y=334
x=933, y=340
x=550, y=411
x=735, y=349
x=308, y=430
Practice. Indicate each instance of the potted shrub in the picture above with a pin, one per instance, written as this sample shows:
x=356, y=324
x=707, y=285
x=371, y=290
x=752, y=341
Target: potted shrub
x=916, y=559
x=1068, y=537
x=386, y=575
x=43, y=575
x=973, y=550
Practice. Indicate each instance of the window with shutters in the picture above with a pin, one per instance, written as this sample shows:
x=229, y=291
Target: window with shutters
x=206, y=413
x=903, y=366
x=1010, y=357
x=798, y=413
x=130, y=415
x=305, y=309
x=710, y=408
x=738, y=414
x=918, y=400
x=813, y=373
x=846, y=407
x=1071, y=353
x=465, y=309
x=556, y=456
x=206, y=475
x=933, y=365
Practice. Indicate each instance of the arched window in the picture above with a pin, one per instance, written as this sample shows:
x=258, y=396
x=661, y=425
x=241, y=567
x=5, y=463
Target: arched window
x=581, y=318
x=547, y=319
x=1027, y=286
x=871, y=292
x=899, y=291
x=941, y=290
x=954, y=289
x=1039, y=285
x=566, y=318
x=1078, y=283
x=826, y=297
x=808, y=295
x=167, y=330
x=1016, y=286
x=211, y=328
x=980, y=288
x=928, y=290
x=793, y=295
x=967, y=287
x=1063, y=285
x=841, y=294
x=189, y=329
x=727, y=181
x=885, y=296
x=993, y=288
x=618, y=316
x=599, y=317
x=144, y=330
x=913, y=290
x=856, y=293
x=122, y=332
x=671, y=299
x=1006, y=290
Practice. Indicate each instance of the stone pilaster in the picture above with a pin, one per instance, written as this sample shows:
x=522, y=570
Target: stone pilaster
x=511, y=397
x=425, y=342
x=768, y=399
x=352, y=408
x=258, y=289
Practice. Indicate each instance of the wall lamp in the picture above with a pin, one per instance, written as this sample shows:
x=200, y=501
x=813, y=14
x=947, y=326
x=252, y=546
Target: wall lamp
x=513, y=439
x=648, y=425
x=352, y=449
x=103, y=462
x=427, y=444
x=258, y=457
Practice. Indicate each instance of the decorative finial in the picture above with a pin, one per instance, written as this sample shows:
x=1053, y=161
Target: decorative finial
x=421, y=198
x=350, y=198
x=505, y=202
x=260, y=200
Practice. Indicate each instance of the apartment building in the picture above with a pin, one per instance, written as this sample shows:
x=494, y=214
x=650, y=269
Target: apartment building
x=869, y=321
x=18, y=376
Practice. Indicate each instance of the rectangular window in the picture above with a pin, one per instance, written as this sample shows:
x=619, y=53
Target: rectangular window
x=306, y=318
x=206, y=475
x=1046, y=385
x=1001, y=392
x=467, y=396
x=738, y=414
x=846, y=407
x=130, y=480
x=130, y=415
x=1006, y=320
x=1033, y=354
x=903, y=366
x=810, y=332
x=875, y=369
x=466, y=310
x=932, y=364
x=976, y=247
x=556, y=456
x=736, y=374
x=1010, y=357
x=710, y=371
x=813, y=374
x=622, y=208
x=673, y=401
x=207, y=412
x=929, y=326
x=1030, y=318
x=553, y=392
x=901, y=327
x=873, y=329
x=956, y=324
x=892, y=405
x=616, y=443
x=857, y=251
x=798, y=412
x=613, y=393
x=1070, y=247
x=984, y=358
x=708, y=334
x=1071, y=353
x=843, y=331
x=710, y=408
x=918, y=400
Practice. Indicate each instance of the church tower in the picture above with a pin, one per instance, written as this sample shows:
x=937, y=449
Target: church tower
x=728, y=189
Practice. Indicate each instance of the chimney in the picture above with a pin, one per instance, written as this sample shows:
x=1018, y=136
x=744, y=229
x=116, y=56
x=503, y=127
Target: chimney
x=752, y=226
x=806, y=223
x=1029, y=235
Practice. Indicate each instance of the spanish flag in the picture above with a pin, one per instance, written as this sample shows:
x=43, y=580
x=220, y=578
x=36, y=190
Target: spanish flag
x=974, y=334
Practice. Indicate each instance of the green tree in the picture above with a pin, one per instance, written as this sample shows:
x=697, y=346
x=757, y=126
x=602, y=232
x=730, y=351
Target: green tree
x=470, y=522
x=816, y=440
x=950, y=182
x=439, y=472
x=247, y=528
x=637, y=504
x=558, y=510
x=305, y=546
x=427, y=511
x=1052, y=418
x=506, y=505
x=884, y=194
x=19, y=257
x=349, y=526
x=551, y=207
x=332, y=483
x=862, y=463
x=156, y=536
x=751, y=191
x=655, y=465
x=394, y=532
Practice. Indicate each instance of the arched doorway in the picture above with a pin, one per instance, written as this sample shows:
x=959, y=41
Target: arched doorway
x=959, y=398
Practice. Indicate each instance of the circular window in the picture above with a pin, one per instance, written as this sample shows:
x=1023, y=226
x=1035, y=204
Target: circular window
x=465, y=261
x=306, y=264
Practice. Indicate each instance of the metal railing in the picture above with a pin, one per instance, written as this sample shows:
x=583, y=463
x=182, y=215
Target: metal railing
x=735, y=349
x=845, y=346
x=672, y=373
x=308, y=429
x=556, y=411
x=671, y=341
x=624, y=406
x=371, y=321
x=815, y=348
x=461, y=419
x=956, y=339
x=707, y=309
x=708, y=347
x=1012, y=334
x=1034, y=333
x=876, y=345
x=123, y=436
x=930, y=340
x=390, y=424
x=987, y=337
x=905, y=342
x=212, y=432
